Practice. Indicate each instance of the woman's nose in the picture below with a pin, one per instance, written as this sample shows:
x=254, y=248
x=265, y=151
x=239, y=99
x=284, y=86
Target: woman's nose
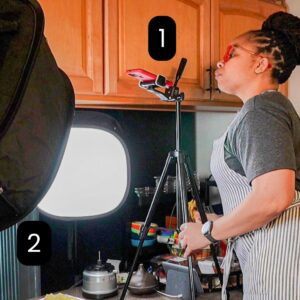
x=220, y=64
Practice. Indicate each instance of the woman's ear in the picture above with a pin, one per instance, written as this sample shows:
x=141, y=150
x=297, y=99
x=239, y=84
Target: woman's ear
x=262, y=65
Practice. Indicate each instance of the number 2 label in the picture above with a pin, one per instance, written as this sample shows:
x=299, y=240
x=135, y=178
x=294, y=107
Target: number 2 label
x=33, y=242
x=37, y=242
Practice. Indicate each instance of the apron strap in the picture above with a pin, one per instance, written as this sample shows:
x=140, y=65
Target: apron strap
x=226, y=265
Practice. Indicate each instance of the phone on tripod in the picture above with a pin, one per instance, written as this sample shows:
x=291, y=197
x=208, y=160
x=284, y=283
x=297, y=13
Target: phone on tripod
x=146, y=76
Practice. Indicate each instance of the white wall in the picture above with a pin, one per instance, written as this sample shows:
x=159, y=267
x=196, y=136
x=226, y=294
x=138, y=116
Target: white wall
x=211, y=125
x=294, y=81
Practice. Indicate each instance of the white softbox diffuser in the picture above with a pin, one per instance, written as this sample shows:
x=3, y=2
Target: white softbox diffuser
x=93, y=177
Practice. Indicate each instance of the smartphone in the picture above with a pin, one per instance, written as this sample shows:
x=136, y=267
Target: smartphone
x=146, y=76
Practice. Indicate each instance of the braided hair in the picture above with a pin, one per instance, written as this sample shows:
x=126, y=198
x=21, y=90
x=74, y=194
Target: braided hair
x=279, y=37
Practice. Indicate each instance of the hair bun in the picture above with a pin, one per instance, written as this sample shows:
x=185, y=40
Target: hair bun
x=288, y=25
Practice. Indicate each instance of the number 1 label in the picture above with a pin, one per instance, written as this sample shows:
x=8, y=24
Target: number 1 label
x=162, y=38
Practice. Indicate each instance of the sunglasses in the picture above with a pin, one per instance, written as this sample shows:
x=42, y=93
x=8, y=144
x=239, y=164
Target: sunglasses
x=230, y=49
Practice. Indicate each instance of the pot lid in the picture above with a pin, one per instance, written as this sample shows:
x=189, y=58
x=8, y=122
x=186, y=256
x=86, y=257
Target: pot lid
x=100, y=266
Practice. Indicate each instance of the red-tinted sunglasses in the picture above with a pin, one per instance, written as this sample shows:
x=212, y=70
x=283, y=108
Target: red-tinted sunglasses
x=228, y=53
x=230, y=49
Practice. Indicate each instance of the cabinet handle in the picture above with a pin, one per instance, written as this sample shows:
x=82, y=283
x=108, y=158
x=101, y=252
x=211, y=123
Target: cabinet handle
x=211, y=87
x=210, y=75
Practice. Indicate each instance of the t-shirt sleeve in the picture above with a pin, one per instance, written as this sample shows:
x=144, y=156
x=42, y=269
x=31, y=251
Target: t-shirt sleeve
x=263, y=142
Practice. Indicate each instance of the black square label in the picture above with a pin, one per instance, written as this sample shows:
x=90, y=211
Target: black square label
x=33, y=243
x=162, y=38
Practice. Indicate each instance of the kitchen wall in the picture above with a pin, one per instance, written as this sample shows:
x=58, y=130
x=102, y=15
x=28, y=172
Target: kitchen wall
x=210, y=125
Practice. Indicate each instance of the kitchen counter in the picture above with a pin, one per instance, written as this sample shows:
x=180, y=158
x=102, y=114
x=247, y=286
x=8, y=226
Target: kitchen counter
x=234, y=295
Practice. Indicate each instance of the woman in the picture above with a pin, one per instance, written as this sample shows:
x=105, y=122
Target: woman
x=256, y=164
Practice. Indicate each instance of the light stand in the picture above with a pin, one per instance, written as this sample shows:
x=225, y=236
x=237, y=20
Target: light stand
x=183, y=169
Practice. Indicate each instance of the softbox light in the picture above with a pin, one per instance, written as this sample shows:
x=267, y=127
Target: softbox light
x=94, y=177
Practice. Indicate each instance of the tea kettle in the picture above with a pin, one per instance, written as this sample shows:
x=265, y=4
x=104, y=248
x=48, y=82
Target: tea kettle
x=99, y=281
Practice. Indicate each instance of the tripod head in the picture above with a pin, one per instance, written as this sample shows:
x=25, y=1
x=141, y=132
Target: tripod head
x=150, y=82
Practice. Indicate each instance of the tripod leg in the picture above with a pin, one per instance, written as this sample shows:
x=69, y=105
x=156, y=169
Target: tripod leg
x=181, y=180
x=147, y=223
x=201, y=210
x=178, y=202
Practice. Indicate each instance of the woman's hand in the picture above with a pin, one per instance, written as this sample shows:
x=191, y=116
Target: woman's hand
x=192, y=238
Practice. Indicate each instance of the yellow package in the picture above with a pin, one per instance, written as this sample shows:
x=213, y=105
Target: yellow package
x=193, y=211
x=58, y=297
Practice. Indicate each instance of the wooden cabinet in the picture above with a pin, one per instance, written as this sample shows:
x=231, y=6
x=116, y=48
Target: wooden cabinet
x=74, y=32
x=126, y=29
x=231, y=18
x=96, y=41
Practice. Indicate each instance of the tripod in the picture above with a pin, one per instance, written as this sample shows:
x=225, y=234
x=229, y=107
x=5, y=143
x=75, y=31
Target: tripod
x=183, y=171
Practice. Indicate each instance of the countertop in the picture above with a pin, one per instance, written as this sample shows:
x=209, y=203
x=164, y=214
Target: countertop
x=234, y=295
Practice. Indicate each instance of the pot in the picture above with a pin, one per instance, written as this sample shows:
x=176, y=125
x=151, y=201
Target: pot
x=99, y=281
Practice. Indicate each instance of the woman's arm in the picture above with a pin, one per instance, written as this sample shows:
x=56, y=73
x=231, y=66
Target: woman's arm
x=272, y=193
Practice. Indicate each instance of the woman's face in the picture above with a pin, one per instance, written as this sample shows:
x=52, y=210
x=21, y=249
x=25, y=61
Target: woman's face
x=238, y=66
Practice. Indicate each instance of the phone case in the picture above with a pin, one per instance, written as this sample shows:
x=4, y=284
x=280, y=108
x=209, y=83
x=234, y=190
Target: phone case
x=146, y=76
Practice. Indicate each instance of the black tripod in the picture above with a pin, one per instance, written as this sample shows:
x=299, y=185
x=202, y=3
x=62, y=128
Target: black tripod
x=183, y=171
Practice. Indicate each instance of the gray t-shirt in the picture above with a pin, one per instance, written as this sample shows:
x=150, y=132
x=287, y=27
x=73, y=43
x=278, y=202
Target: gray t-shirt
x=264, y=136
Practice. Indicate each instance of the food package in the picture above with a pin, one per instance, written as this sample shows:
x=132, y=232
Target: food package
x=59, y=297
x=193, y=210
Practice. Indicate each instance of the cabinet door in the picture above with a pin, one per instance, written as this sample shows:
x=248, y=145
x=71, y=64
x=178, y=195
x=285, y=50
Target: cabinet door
x=126, y=47
x=231, y=18
x=74, y=32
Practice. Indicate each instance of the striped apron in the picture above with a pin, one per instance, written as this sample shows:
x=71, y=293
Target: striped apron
x=269, y=256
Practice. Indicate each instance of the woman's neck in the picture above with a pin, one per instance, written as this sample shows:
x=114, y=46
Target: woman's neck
x=249, y=93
